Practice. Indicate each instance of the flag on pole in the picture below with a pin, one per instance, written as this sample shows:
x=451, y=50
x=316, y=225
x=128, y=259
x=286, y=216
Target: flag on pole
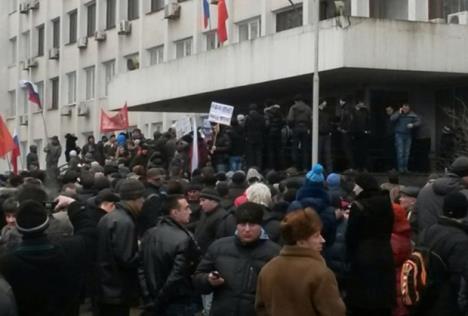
x=222, y=17
x=15, y=153
x=206, y=13
x=33, y=92
x=194, y=162
x=114, y=123
x=6, y=141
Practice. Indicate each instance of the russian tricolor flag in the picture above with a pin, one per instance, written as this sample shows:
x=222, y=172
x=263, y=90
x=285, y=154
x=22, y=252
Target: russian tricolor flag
x=33, y=92
x=206, y=13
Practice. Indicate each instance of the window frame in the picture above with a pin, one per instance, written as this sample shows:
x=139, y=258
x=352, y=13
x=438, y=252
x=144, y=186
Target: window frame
x=91, y=22
x=71, y=88
x=54, y=93
x=40, y=29
x=184, y=42
x=90, y=82
x=156, y=54
x=72, y=26
x=287, y=14
x=56, y=32
x=111, y=14
x=248, y=23
x=133, y=8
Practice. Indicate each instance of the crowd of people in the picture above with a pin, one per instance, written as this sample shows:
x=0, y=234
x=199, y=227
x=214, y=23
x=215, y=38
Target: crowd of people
x=131, y=227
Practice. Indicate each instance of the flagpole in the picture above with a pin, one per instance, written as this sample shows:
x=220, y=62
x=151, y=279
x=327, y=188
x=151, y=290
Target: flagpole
x=8, y=162
x=45, y=126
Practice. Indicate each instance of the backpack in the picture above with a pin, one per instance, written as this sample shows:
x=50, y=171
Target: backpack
x=422, y=275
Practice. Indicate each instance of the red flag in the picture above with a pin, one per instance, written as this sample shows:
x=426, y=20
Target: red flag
x=222, y=17
x=6, y=141
x=15, y=153
x=114, y=123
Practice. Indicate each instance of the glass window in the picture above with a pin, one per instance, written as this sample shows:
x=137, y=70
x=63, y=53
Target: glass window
x=156, y=55
x=40, y=90
x=183, y=47
x=56, y=33
x=40, y=40
x=54, y=83
x=211, y=40
x=91, y=27
x=89, y=91
x=71, y=85
x=157, y=5
x=132, y=9
x=133, y=62
x=72, y=27
x=109, y=73
x=12, y=103
x=110, y=14
x=289, y=19
x=12, y=57
x=249, y=30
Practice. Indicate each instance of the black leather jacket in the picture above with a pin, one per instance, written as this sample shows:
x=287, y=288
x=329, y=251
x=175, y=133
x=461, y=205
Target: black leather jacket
x=170, y=255
x=117, y=257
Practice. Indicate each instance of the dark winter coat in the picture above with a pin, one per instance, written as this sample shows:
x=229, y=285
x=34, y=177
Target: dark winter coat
x=449, y=239
x=345, y=115
x=32, y=159
x=371, y=281
x=205, y=232
x=117, y=257
x=335, y=255
x=361, y=121
x=431, y=198
x=53, y=152
x=274, y=122
x=151, y=210
x=7, y=299
x=223, y=145
x=299, y=114
x=401, y=121
x=254, y=128
x=170, y=256
x=236, y=190
x=46, y=277
x=237, y=135
x=239, y=265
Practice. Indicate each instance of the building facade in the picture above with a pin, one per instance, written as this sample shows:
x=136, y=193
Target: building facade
x=159, y=58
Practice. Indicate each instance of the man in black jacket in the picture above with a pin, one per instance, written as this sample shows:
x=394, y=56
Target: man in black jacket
x=170, y=256
x=254, y=134
x=231, y=266
x=117, y=253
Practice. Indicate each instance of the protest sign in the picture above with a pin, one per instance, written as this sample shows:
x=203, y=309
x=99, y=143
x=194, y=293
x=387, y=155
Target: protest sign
x=220, y=113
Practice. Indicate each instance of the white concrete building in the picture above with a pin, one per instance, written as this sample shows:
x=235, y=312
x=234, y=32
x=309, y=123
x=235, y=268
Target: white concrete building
x=157, y=56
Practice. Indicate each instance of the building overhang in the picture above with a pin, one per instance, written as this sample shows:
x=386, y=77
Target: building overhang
x=367, y=51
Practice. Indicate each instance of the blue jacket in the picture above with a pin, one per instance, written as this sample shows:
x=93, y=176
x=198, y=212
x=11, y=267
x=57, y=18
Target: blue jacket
x=402, y=120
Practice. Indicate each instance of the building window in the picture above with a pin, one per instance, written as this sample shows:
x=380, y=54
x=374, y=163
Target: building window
x=133, y=62
x=156, y=55
x=26, y=45
x=110, y=14
x=109, y=73
x=12, y=103
x=71, y=85
x=72, y=34
x=211, y=40
x=40, y=90
x=89, y=74
x=91, y=20
x=54, y=89
x=157, y=5
x=249, y=30
x=40, y=40
x=183, y=47
x=132, y=12
x=289, y=19
x=56, y=33
x=12, y=57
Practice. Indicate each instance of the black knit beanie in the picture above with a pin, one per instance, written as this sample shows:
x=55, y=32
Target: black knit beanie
x=32, y=218
x=131, y=189
x=455, y=205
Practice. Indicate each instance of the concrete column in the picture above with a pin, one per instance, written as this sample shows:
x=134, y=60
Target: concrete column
x=198, y=27
x=230, y=23
x=418, y=10
x=360, y=8
x=308, y=12
x=267, y=20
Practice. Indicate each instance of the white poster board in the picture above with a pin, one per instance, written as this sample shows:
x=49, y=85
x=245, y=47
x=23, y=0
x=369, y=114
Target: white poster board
x=220, y=113
x=183, y=127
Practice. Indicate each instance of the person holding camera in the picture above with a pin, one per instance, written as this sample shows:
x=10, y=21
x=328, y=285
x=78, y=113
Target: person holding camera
x=405, y=122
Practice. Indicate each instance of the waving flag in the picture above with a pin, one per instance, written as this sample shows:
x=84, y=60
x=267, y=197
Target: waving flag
x=206, y=13
x=33, y=92
x=15, y=153
x=6, y=141
x=114, y=123
x=222, y=17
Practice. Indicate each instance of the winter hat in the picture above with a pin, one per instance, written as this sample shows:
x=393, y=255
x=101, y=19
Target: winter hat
x=238, y=177
x=455, y=205
x=367, y=182
x=333, y=180
x=253, y=173
x=106, y=195
x=249, y=212
x=131, y=189
x=32, y=218
x=259, y=193
x=72, y=153
x=294, y=206
x=315, y=174
x=210, y=194
x=460, y=166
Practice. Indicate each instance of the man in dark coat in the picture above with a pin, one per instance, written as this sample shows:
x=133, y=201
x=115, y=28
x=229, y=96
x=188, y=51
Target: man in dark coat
x=32, y=159
x=254, y=133
x=274, y=122
x=117, y=252
x=345, y=118
x=428, y=206
x=53, y=151
x=151, y=210
x=300, y=120
x=371, y=281
x=231, y=266
x=360, y=131
x=448, y=238
x=170, y=256
x=46, y=276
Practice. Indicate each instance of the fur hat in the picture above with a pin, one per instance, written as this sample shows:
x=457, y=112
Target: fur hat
x=455, y=205
x=249, y=213
x=259, y=193
x=252, y=173
x=131, y=189
x=32, y=218
x=210, y=194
